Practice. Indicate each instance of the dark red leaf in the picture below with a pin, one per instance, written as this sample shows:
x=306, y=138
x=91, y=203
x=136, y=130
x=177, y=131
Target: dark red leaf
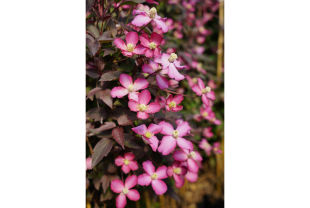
x=108, y=51
x=105, y=182
x=92, y=45
x=129, y=141
x=102, y=149
x=93, y=31
x=105, y=96
x=172, y=194
x=99, y=63
x=107, y=196
x=93, y=91
x=96, y=114
x=118, y=135
x=111, y=168
x=109, y=76
x=89, y=4
x=107, y=125
x=125, y=120
x=93, y=73
x=97, y=182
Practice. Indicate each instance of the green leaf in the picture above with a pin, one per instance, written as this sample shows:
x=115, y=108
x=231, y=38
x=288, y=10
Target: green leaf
x=93, y=31
x=102, y=149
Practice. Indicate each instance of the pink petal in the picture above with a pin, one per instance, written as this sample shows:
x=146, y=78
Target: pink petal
x=170, y=171
x=159, y=187
x=128, y=54
x=120, y=44
x=184, y=144
x=133, y=96
x=201, y=84
x=157, y=51
x=179, y=185
x=205, y=100
x=179, y=156
x=197, y=90
x=161, y=172
x=119, y=92
x=192, y=166
x=167, y=128
x=183, y=128
x=140, y=20
x=153, y=108
x=148, y=167
x=117, y=186
x=131, y=181
x=197, y=156
x=133, y=105
x=177, y=64
x=164, y=60
x=167, y=145
x=133, y=165
x=121, y=201
x=125, y=168
x=178, y=99
x=155, y=129
x=211, y=95
x=125, y=80
x=152, y=2
x=144, y=97
x=140, y=84
x=132, y=38
x=141, y=130
x=161, y=25
x=177, y=108
x=142, y=115
x=156, y=38
x=183, y=170
x=154, y=143
x=129, y=156
x=162, y=81
x=177, y=178
x=147, y=69
x=191, y=177
x=119, y=161
x=158, y=59
x=149, y=53
x=169, y=99
x=145, y=41
x=133, y=195
x=174, y=73
x=139, y=49
x=144, y=179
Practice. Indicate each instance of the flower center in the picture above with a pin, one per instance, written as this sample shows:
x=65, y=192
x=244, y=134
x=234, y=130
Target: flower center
x=212, y=120
x=177, y=170
x=152, y=45
x=153, y=12
x=201, y=29
x=130, y=47
x=192, y=154
x=172, y=57
x=148, y=134
x=143, y=107
x=175, y=134
x=154, y=176
x=205, y=114
x=130, y=88
x=194, y=80
x=206, y=90
x=207, y=146
x=172, y=105
x=126, y=162
x=125, y=190
x=215, y=149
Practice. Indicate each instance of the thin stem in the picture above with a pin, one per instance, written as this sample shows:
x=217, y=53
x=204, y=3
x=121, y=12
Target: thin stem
x=151, y=86
x=89, y=145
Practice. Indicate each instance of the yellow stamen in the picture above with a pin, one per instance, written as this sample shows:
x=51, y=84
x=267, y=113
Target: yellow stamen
x=153, y=12
x=206, y=90
x=143, y=107
x=148, y=134
x=152, y=45
x=126, y=162
x=205, y=114
x=177, y=170
x=130, y=88
x=175, y=134
x=172, y=57
x=125, y=190
x=154, y=176
x=172, y=105
x=130, y=47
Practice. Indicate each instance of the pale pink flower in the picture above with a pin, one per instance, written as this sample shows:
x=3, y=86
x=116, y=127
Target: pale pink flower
x=177, y=171
x=145, y=17
x=207, y=17
x=129, y=87
x=151, y=45
x=207, y=132
x=191, y=81
x=170, y=22
x=212, y=84
x=190, y=157
x=190, y=176
x=173, y=83
x=216, y=148
x=153, y=177
x=199, y=50
x=130, y=48
x=179, y=121
x=190, y=16
x=127, y=162
x=170, y=63
x=173, y=137
x=171, y=50
x=118, y=186
x=188, y=6
x=207, y=113
x=152, y=68
x=142, y=106
x=177, y=34
x=148, y=134
x=204, y=92
x=172, y=103
x=173, y=1
x=88, y=163
x=205, y=146
x=201, y=39
x=204, y=31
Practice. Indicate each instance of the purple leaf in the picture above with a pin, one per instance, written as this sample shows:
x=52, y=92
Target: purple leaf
x=102, y=149
x=96, y=114
x=105, y=96
x=92, y=45
x=108, y=51
x=89, y=4
x=125, y=120
x=96, y=183
x=105, y=182
x=99, y=63
x=109, y=76
x=107, y=125
x=118, y=135
x=129, y=142
x=93, y=91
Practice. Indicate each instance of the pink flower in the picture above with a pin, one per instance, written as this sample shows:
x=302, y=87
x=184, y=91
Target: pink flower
x=148, y=134
x=190, y=157
x=190, y=176
x=199, y=50
x=216, y=148
x=212, y=84
x=207, y=113
x=152, y=68
x=172, y=103
x=205, y=146
x=129, y=87
x=173, y=137
x=151, y=45
x=207, y=132
x=204, y=91
x=191, y=82
x=169, y=22
x=204, y=31
x=170, y=63
x=177, y=171
x=130, y=48
x=161, y=100
x=118, y=186
x=201, y=39
x=142, y=106
x=127, y=162
x=173, y=83
x=151, y=2
x=153, y=177
x=190, y=7
x=88, y=163
x=171, y=50
x=145, y=17
x=177, y=34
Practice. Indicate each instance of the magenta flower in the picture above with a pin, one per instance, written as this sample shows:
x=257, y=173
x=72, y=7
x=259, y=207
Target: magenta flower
x=152, y=68
x=172, y=103
x=207, y=113
x=151, y=45
x=127, y=162
x=190, y=157
x=148, y=134
x=201, y=39
x=190, y=176
x=205, y=146
x=204, y=91
x=177, y=34
x=173, y=137
x=170, y=63
x=88, y=163
x=142, y=106
x=145, y=17
x=177, y=171
x=151, y=2
x=161, y=100
x=153, y=177
x=207, y=132
x=191, y=82
x=130, y=48
x=129, y=87
x=118, y=186
x=216, y=148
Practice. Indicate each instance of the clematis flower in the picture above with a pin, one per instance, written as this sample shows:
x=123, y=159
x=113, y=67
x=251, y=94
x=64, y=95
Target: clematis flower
x=201, y=39
x=199, y=50
x=145, y=17
x=148, y=134
x=188, y=6
x=212, y=84
x=207, y=113
x=161, y=100
x=129, y=87
x=151, y=2
x=151, y=45
x=173, y=137
x=177, y=171
x=205, y=146
x=172, y=103
x=161, y=79
x=127, y=162
x=204, y=91
x=118, y=186
x=88, y=163
x=130, y=48
x=142, y=106
x=190, y=157
x=170, y=63
x=170, y=22
x=173, y=83
x=216, y=148
x=177, y=34
x=216, y=121
x=191, y=82
x=190, y=176
x=153, y=177
x=207, y=132
x=204, y=31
